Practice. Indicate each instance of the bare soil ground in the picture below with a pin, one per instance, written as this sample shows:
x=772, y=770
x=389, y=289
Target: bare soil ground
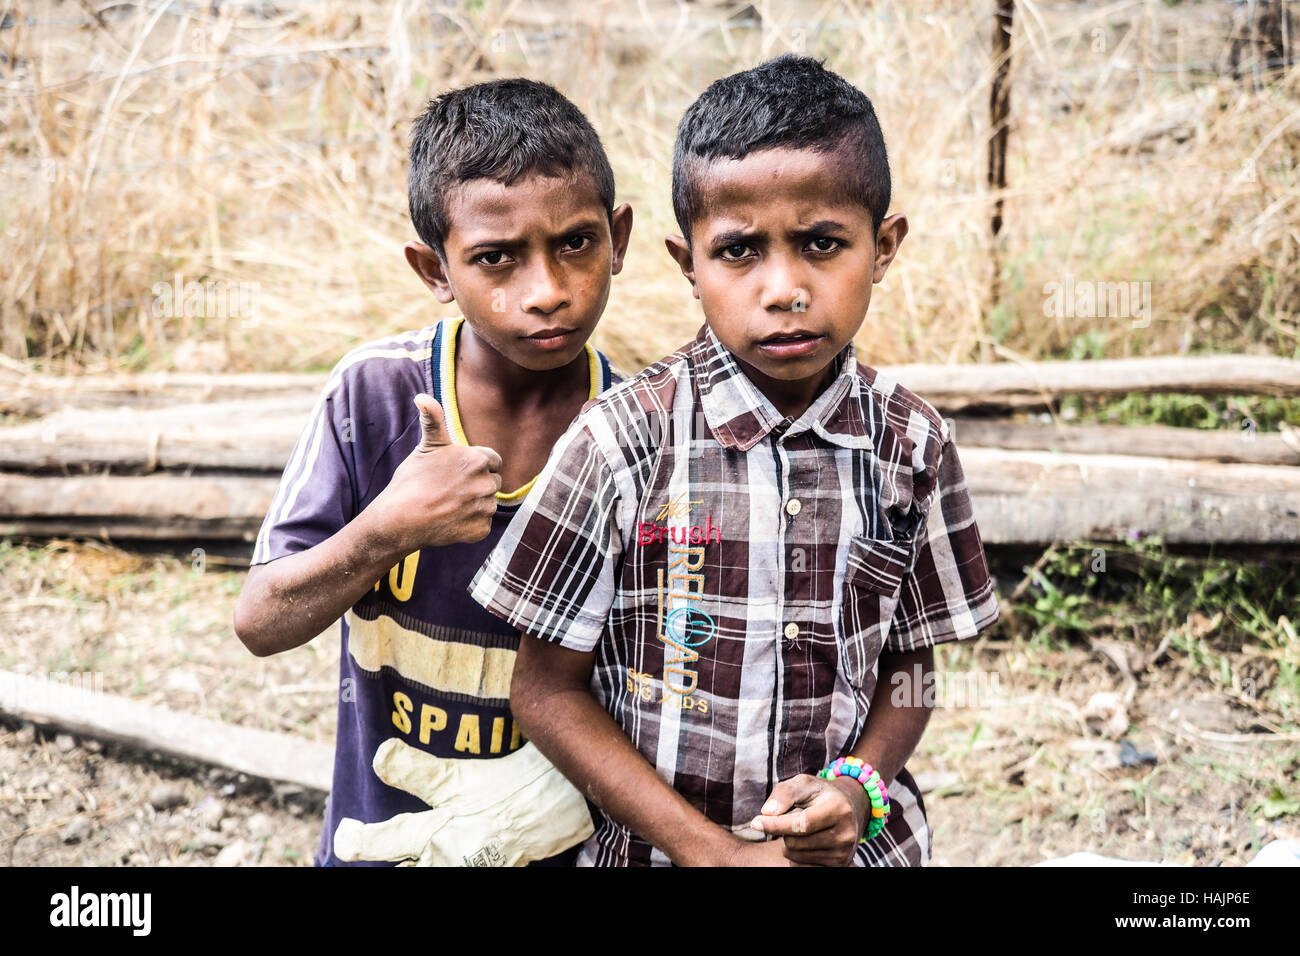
x=1023, y=764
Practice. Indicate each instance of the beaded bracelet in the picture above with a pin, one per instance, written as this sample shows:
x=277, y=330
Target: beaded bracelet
x=864, y=774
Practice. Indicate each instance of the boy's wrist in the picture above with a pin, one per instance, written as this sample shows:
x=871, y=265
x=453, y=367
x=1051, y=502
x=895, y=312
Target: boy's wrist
x=381, y=539
x=861, y=802
x=712, y=846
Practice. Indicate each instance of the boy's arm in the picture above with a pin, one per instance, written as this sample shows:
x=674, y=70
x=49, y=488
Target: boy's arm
x=550, y=698
x=835, y=811
x=442, y=493
x=285, y=603
x=893, y=730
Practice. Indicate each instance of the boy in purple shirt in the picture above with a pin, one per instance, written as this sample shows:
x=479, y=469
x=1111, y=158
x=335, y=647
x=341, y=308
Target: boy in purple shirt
x=420, y=450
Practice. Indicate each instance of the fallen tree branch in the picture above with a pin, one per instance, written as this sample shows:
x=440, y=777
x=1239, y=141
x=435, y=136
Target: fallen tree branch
x=258, y=753
x=1147, y=441
x=1031, y=384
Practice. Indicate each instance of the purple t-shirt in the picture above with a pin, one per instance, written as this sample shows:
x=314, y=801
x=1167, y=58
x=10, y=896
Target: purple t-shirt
x=422, y=661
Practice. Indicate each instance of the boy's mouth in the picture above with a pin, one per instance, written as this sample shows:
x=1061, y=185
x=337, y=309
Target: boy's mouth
x=793, y=344
x=550, y=338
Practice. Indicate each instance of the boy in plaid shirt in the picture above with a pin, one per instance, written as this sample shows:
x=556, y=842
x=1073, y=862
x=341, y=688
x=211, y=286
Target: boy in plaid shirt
x=736, y=563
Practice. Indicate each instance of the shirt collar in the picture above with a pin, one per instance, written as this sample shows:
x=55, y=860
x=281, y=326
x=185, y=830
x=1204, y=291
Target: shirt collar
x=741, y=416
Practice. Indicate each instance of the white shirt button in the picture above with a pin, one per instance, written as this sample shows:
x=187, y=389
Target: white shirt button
x=791, y=630
x=793, y=507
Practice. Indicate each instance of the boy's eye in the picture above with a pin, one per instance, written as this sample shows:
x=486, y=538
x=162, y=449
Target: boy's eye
x=825, y=244
x=735, y=252
x=577, y=243
x=494, y=257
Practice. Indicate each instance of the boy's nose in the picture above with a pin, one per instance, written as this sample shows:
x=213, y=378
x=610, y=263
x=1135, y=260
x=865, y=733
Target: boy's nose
x=544, y=292
x=782, y=289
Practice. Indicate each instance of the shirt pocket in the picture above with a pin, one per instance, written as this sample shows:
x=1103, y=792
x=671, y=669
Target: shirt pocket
x=873, y=580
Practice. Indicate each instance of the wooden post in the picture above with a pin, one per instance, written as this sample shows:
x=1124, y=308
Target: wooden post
x=999, y=114
x=1000, y=107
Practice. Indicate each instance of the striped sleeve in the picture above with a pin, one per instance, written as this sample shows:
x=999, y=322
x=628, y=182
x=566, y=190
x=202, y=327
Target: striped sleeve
x=948, y=595
x=317, y=494
x=552, y=573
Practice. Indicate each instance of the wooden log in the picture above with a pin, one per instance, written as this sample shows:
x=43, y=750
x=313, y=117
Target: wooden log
x=81, y=710
x=1148, y=441
x=154, y=506
x=1040, y=497
x=1008, y=385
x=132, y=529
x=950, y=387
x=258, y=435
x=1020, y=497
x=31, y=395
x=249, y=435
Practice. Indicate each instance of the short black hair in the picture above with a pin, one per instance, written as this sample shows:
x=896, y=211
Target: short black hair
x=791, y=101
x=501, y=130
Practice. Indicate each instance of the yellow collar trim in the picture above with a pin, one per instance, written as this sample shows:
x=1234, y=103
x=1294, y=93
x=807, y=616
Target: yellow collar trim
x=452, y=408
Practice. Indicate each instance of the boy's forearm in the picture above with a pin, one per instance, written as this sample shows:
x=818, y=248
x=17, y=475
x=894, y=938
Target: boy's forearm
x=580, y=737
x=286, y=603
x=892, y=731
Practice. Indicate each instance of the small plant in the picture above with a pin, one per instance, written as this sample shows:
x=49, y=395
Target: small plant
x=1232, y=412
x=1204, y=611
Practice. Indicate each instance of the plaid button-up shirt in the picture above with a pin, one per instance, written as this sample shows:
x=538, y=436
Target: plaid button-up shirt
x=738, y=574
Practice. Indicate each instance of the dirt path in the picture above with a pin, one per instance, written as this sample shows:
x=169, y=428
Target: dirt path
x=1017, y=771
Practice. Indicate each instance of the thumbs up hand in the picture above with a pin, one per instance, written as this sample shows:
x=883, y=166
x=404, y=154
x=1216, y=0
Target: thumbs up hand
x=443, y=493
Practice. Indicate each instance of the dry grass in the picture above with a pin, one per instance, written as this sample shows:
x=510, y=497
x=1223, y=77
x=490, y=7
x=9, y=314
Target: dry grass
x=259, y=143
x=1026, y=776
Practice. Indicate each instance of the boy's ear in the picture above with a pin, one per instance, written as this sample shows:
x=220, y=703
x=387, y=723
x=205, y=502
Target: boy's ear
x=426, y=264
x=888, y=239
x=620, y=229
x=681, y=253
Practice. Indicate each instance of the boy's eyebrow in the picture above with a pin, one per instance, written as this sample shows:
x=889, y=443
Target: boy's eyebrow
x=513, y=242
x=587, y=223
x=493, y=244
x=739, y=236
x=735, y=237
x=820, y=227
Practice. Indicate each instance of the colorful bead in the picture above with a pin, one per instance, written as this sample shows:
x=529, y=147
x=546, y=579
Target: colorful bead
x=877, y=795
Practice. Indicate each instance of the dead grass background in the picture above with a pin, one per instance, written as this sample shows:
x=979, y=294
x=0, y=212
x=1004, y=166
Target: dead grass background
x=242, y=141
